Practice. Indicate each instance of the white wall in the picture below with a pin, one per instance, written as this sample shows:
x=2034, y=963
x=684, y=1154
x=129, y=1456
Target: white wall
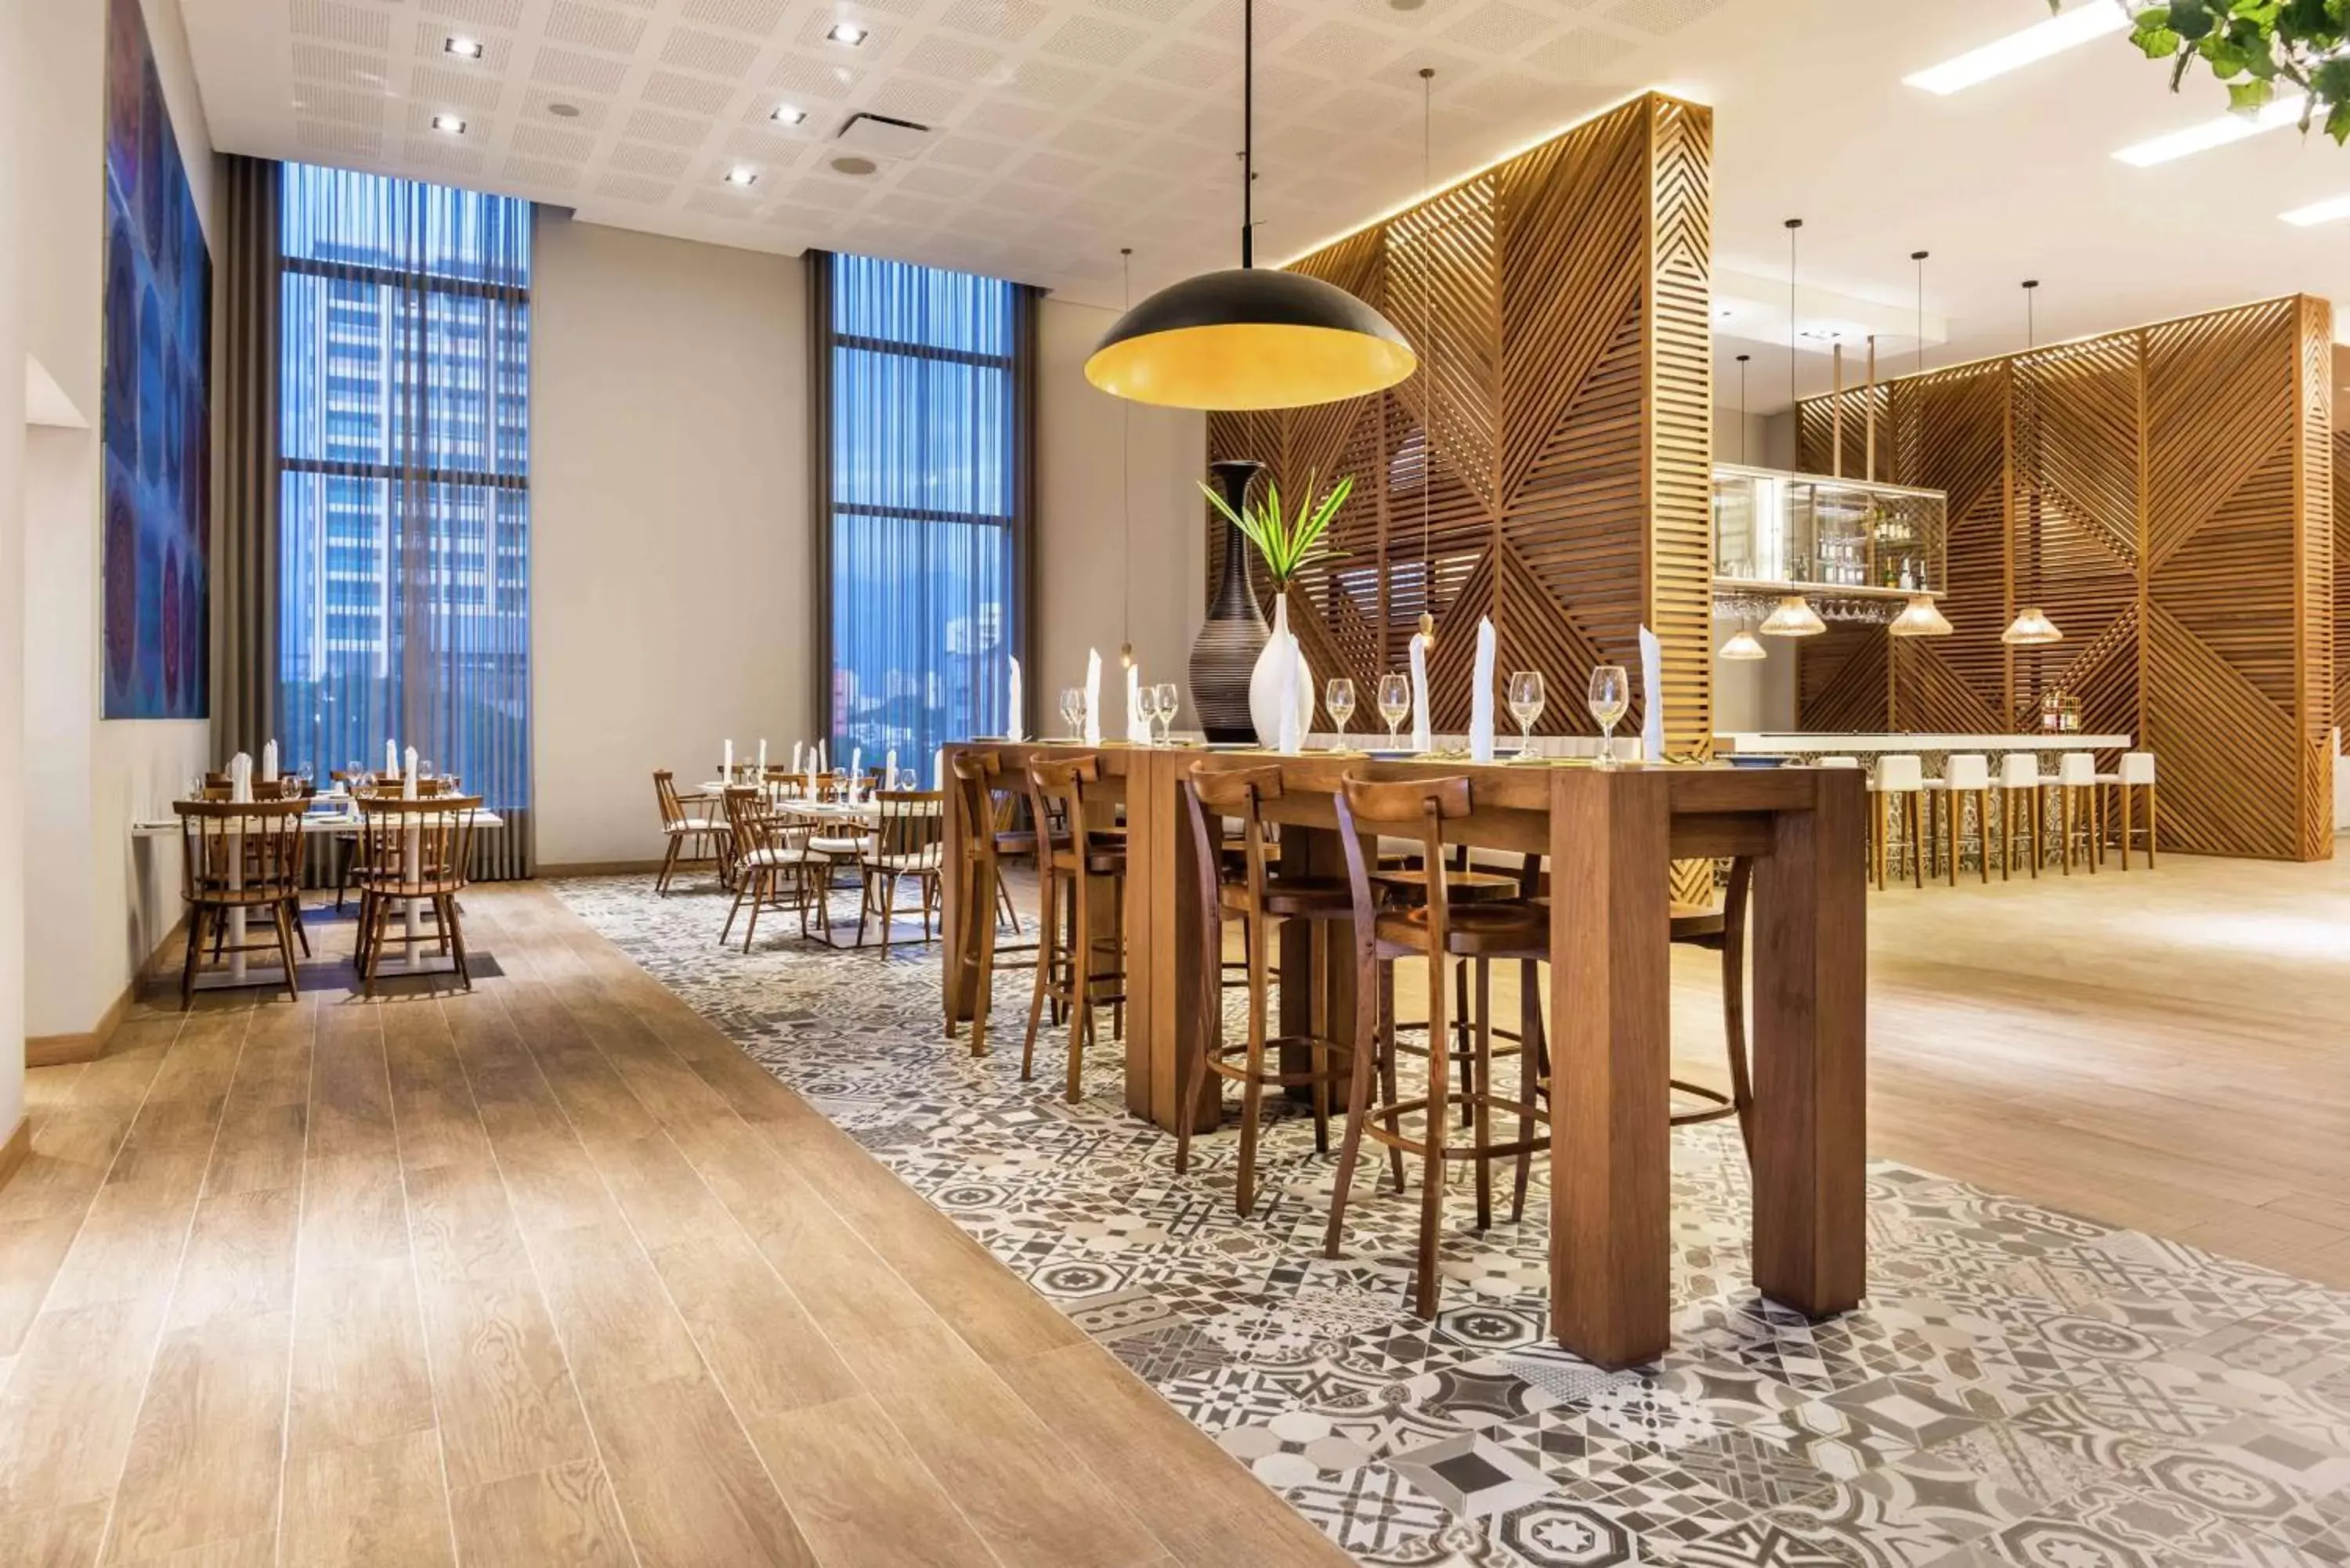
x=670, y=523
x=93, y=777
x=15, y=221
x=1093, y=590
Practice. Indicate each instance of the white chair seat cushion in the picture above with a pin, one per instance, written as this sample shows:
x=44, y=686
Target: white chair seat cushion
x=775, y=856
x=696, y=825
x=826, y=843
x=920, y=860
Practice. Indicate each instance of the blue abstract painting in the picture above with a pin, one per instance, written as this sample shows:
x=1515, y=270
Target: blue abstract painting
x=157, y=414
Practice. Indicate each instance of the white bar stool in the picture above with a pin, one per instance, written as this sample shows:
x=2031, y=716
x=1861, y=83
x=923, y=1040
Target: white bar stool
x=2137, y=774
x=2080, y=808
x=2018, y=810
x=1900, y=793
x=1964, y=773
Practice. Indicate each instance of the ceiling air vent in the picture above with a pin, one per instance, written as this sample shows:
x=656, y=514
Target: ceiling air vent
x=879, y=137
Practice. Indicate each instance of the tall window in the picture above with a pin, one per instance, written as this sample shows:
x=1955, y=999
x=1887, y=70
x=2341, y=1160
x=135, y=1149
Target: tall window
x=927, y=410
x=404, y=482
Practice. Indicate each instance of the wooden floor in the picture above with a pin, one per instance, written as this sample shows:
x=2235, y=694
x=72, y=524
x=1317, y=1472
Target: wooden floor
x=552, y=1275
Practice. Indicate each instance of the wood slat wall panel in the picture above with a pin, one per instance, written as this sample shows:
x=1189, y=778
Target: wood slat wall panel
x=2169, y=496
x=1559, y=432
x=2341, y=457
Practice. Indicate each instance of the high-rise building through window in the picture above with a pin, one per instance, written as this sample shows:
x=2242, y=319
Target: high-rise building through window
x=404, y=514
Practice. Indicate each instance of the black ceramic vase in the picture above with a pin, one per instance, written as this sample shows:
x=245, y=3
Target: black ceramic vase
x=1225, y=654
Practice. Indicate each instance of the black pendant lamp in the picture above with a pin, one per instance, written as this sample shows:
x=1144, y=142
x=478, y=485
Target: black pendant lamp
x=1244, y=340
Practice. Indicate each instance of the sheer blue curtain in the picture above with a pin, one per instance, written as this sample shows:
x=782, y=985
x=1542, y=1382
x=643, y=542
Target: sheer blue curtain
x=404, y=483
x=926, y=495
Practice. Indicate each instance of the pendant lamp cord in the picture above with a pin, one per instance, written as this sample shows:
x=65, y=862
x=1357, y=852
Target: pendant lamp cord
x=1428, y=337
x=1125, y=466
x=1248, y=131
x=1919, y=257
x=1792, y=224
x=1742, y=405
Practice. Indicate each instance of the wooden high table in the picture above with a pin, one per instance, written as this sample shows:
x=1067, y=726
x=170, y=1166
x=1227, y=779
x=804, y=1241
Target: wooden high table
x=1609, y=837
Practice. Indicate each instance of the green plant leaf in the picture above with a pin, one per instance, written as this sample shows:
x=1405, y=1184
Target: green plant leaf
x=2250, y=97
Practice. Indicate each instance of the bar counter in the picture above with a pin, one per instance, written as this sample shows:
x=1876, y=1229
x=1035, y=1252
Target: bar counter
x=1609, y=837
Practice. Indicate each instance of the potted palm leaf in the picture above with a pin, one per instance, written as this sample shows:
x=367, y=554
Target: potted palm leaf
x=1287, y=544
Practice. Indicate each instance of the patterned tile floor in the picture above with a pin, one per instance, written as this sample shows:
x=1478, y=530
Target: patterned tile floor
x=2023, y=1387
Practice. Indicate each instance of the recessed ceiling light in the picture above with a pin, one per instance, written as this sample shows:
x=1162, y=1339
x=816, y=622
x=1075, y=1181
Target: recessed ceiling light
x=564, y=110
x=464, y=48
x=847, y=32
x=786, y=114
x=2325, y=211
x=2087, y=20
x=449, y=123
x=2215, y=133
x=851, y=164
x=742, y=176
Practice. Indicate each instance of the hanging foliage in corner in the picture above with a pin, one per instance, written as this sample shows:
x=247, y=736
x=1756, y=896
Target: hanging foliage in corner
x=2258, y=48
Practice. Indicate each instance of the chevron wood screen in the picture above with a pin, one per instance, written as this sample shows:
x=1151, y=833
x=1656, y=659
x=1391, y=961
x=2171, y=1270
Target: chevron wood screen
x=2341, y=582
x=2165, y=494
x=1550, y=465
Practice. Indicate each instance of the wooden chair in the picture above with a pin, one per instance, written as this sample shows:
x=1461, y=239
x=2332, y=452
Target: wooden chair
x=908, y=841
x=1256, y=899
x=2133, y=788
x=1068, y=861
x=1722, y=931
x=2020, y=803
x=767, y=853
x=2080, y=810
x=982, y=810
x=695, y=833
x=239, y=855
x=421, y=850
x=1966, y=778
x=1438, y=931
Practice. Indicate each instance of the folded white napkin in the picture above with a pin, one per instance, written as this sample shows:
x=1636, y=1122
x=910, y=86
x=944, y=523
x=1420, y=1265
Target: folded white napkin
x=821, y=766
x=797, y=749
x=240, y=777
x=890, y=769
x=1138, y=728
x=1093, y=697
x=1422, y=740
x=269, y=762
x=1011, y=725
x=1652, y=697
x=939, y=769
x=726, y=765
x=391, y=757
x=1481, y=696
x=407, y=777
x=762, y=756
x=856, y=772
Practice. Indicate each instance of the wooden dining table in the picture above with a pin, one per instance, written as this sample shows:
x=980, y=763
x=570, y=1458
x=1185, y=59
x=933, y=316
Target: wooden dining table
x=1610, y=838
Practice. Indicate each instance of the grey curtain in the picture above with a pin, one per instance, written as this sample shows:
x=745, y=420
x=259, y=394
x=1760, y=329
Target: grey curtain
x=819, y=467
x=244, y=460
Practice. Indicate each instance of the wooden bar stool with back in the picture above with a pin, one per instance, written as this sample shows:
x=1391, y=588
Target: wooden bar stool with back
x=1071, y=855
x=1256, y=899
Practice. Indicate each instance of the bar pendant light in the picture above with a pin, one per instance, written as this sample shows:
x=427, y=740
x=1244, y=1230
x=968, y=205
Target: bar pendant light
x=1920, y=617
x=2032, y=627
x=1742, y=646
x=1243, y=340
x=1794, y=617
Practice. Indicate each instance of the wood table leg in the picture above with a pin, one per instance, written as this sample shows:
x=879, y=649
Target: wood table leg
x=1811, y=1083
x=957, y=984
x=1164, y=1029
x=1611, y=1048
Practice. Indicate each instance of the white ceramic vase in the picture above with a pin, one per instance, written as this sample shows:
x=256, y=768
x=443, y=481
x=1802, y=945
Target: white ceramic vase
x=1265, y=682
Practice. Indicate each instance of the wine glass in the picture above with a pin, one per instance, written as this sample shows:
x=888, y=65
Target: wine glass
x=1073, y=710
x=1610, y=694
x=1526, y=706
x=425, y=773
x=1164, y=700
x=1395, y=701
x=1338, y=697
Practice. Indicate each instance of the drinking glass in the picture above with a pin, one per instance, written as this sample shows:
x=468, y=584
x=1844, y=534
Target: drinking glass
x=1073, y=710
x=1338, y=697
x=1395, y=702
x=306, y=776
x=424, y=769
x=1610, y=694
x=1526, y=706
x=1164, y=700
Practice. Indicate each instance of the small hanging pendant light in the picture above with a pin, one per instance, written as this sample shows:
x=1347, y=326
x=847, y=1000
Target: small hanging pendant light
x=1428, y=337
x=1794, y=617
x=1742, y=646
x=2032, y=628
x=1921, y=616
x=1245, y=340
x=1126, y=482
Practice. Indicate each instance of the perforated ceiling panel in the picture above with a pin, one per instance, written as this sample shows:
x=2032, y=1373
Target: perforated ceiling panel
x=1064, y=130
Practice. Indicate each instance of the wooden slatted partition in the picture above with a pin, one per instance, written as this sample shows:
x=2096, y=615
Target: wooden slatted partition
x=2340, y=583
x=1559, y=431
x=2165, y=494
